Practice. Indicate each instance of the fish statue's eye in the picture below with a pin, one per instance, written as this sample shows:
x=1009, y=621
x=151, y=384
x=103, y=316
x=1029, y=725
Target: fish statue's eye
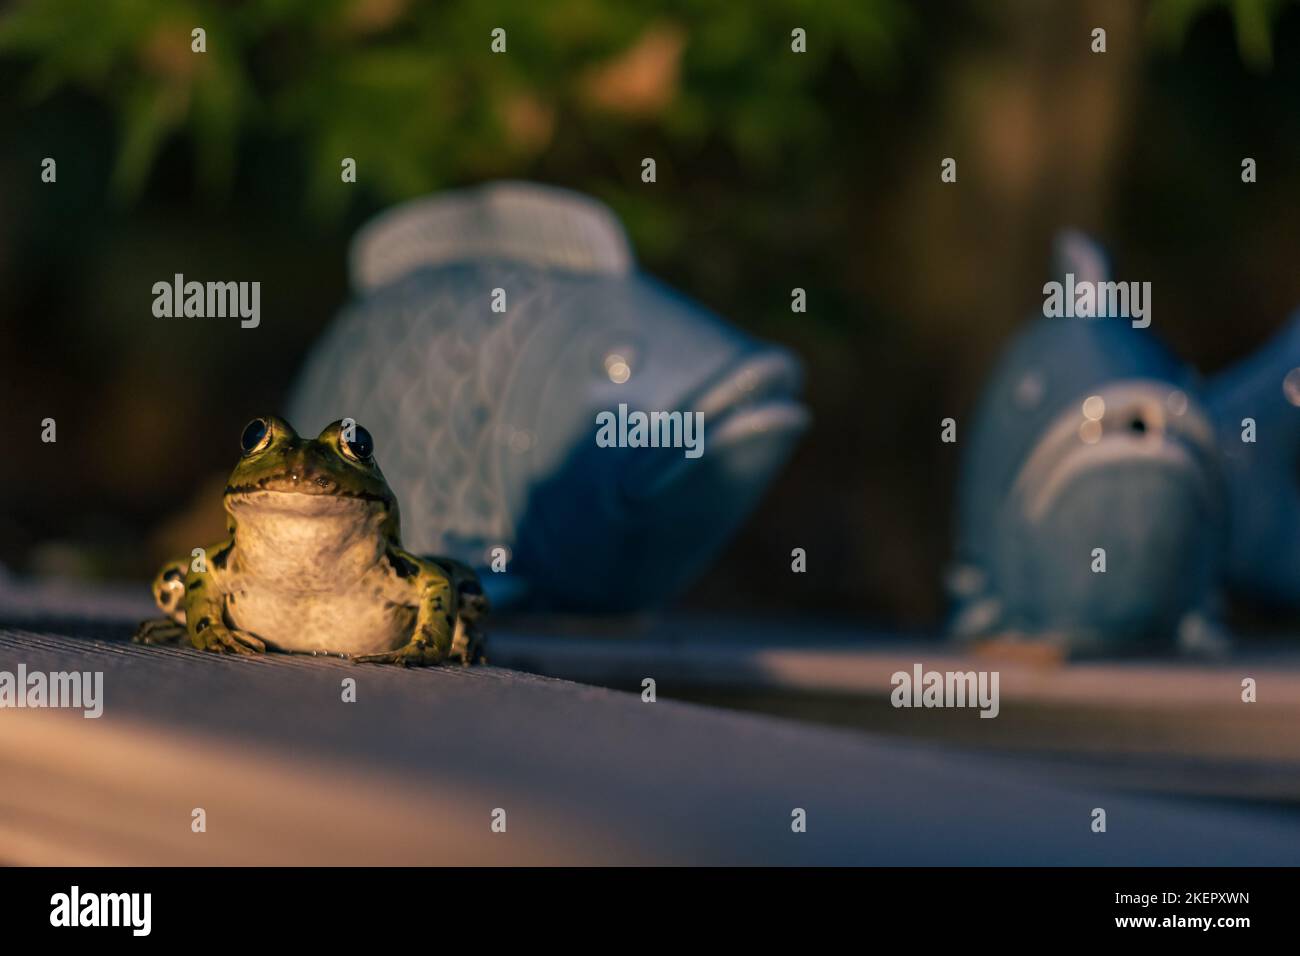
x=257, y=435
x=361, y=446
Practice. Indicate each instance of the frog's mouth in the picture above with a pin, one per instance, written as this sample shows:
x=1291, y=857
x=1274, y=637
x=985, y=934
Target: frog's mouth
x=301, y=501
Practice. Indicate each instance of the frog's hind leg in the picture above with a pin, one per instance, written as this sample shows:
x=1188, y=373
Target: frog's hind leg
x=169, y=589
x=168, y=594
x=467, y=642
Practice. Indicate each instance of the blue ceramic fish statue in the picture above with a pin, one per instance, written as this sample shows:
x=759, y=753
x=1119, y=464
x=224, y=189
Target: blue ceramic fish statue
x=1090, y=506
x=503, y=350
x=1256, y=408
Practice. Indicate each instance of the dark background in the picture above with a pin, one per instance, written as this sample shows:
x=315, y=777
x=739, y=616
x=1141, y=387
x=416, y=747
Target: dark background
x=775, y=170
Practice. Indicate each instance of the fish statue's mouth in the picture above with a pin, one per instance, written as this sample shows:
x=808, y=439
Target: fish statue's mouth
x=1135, y=423
x=751, y=419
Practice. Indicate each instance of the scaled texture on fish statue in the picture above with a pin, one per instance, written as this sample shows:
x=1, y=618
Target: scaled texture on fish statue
x=492, y=330
x=1256, y=406
x=1089, y=504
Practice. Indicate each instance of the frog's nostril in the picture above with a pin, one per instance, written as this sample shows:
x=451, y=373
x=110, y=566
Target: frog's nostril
x=322, y=482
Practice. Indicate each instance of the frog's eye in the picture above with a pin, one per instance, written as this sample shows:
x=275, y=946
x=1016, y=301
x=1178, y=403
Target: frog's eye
x=360, y=446
x=257, y=435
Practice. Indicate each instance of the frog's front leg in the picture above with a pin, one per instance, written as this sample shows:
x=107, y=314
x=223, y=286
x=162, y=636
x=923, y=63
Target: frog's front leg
x=195, y=604
x=435, y=619
x=205, y=618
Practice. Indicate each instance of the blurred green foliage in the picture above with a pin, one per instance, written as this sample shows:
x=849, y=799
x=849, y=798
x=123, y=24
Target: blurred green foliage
x=1253, y=20
x=414, y=93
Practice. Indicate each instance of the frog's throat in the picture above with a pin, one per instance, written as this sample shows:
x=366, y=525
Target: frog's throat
x=315, y=541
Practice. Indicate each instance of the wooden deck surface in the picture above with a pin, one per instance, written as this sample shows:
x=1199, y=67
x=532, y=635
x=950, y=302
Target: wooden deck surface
x=413, y=770
x=1157, y=724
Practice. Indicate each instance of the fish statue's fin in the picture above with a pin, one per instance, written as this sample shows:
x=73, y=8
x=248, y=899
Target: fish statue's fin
x=541, y=226
x=1074, y=252
x=1201, y=635
x=975, y=613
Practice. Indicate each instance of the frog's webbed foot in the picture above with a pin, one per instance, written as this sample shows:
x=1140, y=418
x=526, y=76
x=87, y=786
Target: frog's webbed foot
x=466, y=649
x=228, y=640
x=159, y=630
x=414, y=654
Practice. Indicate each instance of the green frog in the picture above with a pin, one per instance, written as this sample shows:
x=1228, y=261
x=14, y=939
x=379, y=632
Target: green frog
x=313, y=563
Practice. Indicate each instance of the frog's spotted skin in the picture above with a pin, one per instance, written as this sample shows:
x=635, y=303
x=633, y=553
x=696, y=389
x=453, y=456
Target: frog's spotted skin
x=314, y=563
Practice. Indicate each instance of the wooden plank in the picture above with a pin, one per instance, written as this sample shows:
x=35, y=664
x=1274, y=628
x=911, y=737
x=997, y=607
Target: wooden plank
x=1165, y=725
x=412, y=771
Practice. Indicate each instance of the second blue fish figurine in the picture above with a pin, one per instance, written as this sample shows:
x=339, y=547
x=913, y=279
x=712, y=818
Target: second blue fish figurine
x=1090, y=506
